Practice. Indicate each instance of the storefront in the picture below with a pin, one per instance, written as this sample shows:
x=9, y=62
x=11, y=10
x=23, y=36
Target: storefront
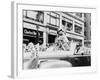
x=30, y=35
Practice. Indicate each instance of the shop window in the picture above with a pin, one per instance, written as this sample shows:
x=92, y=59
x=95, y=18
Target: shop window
x=32, y=36
x=51, y=38
x=78, y=29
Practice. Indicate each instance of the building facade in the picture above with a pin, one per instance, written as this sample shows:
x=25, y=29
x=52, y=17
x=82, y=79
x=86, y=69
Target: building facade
x=87, y=30
x=42, y=26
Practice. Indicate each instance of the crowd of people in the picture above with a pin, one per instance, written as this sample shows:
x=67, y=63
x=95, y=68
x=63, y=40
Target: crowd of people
x=61, y=43
x=30, y=57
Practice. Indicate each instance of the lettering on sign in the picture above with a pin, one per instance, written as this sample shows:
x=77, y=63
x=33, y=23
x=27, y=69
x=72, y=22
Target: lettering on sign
x=29, y=32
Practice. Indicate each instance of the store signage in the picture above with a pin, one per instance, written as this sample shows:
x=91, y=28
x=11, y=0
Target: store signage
x=30, y=32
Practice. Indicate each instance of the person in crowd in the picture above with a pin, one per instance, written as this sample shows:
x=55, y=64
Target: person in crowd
x=24, y=48
x=43, y=47
x=30, y=57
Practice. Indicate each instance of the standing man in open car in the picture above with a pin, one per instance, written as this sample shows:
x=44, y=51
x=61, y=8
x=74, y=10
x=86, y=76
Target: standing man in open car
x=62, y=41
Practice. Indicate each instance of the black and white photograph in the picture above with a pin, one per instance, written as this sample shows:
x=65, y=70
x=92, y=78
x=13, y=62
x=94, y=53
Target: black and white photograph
x=55, y=39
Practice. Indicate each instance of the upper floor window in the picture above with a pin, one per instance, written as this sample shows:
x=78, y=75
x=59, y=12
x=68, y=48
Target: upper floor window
x=78, y=29
x=79, y=15
x=34, y=15
x=53, y=19
x=68, y=25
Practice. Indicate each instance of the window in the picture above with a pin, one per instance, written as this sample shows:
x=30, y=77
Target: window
x=79, y=15
x=63, y=22
x=78, y=29
x=51, y=38
x=68, y=25
x=32, y=14
x=40, y=16
x=32, y=36
x=35, y=15
x=53, y=19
